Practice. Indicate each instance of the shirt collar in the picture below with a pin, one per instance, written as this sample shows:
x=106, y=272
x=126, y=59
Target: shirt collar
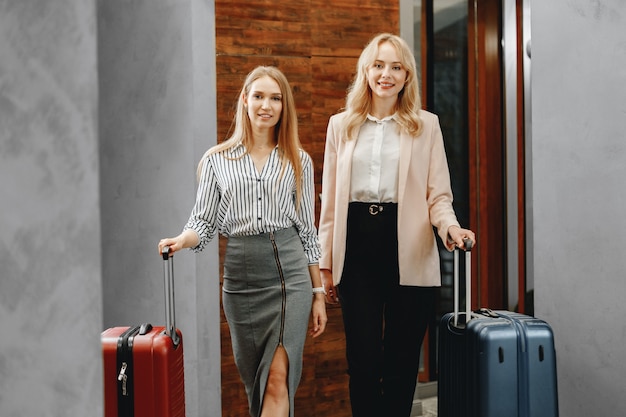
x=237, y=150
x=240, y=148
x=385, y=119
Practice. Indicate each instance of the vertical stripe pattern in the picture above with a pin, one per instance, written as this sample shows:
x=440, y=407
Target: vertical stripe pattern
x=234, y=199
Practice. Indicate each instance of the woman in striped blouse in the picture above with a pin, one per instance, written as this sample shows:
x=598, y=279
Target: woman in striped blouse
x=257, y=189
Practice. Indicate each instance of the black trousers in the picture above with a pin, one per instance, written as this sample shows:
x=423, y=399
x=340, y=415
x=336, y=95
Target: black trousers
x=384, y=322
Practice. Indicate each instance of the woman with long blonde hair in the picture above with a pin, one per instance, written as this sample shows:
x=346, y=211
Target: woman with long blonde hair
x=385, y=186
x=257, y=189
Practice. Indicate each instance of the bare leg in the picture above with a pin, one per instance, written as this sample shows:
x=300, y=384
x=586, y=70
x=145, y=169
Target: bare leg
x=276, y=398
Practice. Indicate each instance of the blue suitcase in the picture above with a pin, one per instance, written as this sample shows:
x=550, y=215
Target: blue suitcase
x=496, y=364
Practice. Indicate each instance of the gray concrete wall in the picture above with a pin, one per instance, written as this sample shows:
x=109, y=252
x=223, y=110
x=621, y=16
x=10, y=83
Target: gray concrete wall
x=105, y=109
x=157, y=117
x=63, y=176
x=578, y=196
x=50, y=265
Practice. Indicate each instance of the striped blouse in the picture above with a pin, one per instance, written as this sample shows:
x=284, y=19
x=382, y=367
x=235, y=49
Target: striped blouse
x=234, y=199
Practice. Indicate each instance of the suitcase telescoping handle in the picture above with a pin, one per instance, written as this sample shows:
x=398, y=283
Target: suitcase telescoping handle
x=468, y=282
x=168, y=277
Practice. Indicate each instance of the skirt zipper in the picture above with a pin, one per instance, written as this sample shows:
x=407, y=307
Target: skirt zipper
x=282, y=288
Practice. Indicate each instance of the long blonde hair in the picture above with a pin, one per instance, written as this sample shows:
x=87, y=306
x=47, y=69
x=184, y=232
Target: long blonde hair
x=359, y=98
x=285, y=131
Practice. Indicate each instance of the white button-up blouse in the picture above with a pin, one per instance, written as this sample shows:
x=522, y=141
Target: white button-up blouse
x=374, y=176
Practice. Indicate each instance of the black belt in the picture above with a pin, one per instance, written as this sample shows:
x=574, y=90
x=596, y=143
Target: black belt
x=374, y=208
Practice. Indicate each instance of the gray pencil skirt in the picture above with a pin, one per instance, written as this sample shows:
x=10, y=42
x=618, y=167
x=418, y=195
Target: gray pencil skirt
x=267, y=303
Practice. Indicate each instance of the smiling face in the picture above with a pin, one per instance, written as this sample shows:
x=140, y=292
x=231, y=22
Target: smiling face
x=386, y=75
x=264, y=103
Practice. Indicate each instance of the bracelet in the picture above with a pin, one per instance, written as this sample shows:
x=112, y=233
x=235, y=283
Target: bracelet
x=319, y=290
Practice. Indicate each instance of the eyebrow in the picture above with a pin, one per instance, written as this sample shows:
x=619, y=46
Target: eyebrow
x=263, y=92
x=393, y=62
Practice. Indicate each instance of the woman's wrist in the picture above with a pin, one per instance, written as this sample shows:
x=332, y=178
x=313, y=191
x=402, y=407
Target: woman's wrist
x=319, y=290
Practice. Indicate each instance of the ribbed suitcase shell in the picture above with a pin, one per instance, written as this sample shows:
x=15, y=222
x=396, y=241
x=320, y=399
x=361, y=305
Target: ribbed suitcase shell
x=477, y=368
x=158, y=386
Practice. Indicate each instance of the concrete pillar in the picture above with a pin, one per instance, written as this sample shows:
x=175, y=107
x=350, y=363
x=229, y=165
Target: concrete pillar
x=157, y=117
x=50, y=239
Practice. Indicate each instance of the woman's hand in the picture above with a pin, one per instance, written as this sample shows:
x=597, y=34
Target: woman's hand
x=187, y=239
x=458, y=235
x=173, y=244
x=332, y=296
x=318, y=310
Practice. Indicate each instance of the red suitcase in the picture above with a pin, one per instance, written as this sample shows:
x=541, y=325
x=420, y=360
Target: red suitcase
x=143, y=365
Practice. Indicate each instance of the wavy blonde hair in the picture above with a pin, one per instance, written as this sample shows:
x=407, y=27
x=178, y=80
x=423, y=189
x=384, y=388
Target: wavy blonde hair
x=359, y=98
x=285, y=130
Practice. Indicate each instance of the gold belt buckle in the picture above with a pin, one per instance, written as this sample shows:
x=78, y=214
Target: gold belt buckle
x=375, y=209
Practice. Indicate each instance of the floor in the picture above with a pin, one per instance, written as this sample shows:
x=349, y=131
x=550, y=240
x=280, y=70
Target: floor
x=425, y=400
x=429, y=407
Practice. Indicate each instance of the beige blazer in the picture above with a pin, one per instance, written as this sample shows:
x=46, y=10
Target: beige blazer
x=424, y=200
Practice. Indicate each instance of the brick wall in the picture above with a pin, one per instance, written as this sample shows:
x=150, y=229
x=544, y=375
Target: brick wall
x=316, y=44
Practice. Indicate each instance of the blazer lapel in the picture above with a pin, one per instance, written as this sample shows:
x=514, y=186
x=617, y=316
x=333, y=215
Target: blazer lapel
x=406, y=144
x=345, y=164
